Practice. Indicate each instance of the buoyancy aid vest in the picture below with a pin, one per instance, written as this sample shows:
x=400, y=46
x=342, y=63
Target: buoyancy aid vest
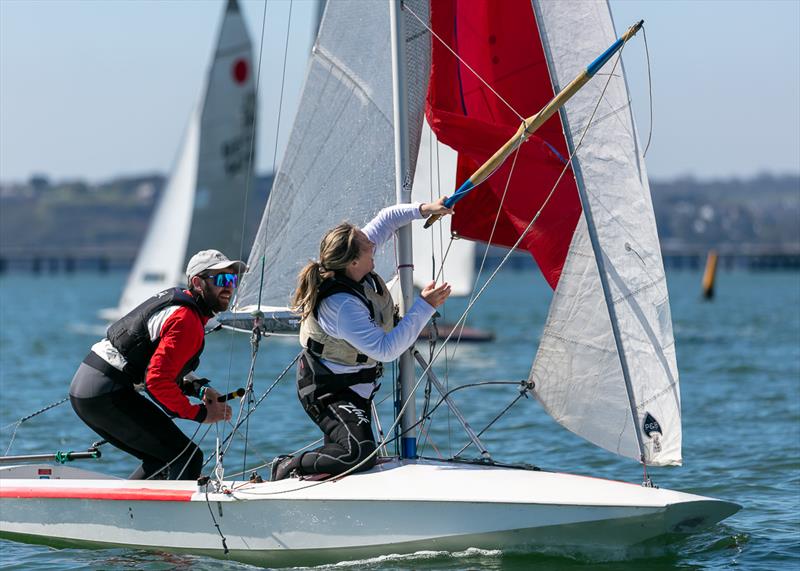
x=378, y=301
x=315, y=381
x=131, y=336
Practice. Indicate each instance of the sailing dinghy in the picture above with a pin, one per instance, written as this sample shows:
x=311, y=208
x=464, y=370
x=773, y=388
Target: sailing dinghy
x=202, y=203
x=606, y=367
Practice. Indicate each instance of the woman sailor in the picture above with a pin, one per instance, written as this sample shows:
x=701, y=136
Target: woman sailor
x=347, y=330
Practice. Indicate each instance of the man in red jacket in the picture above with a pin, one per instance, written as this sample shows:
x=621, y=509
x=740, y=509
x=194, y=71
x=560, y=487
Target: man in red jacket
x=159, y=344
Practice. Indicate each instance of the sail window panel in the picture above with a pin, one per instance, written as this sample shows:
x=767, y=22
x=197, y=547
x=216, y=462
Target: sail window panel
x=418, y=65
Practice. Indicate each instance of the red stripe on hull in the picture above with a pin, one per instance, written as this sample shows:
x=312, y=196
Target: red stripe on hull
x=140, y=494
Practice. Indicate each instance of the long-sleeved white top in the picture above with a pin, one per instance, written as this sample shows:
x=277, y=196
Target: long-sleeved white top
x=346, y=317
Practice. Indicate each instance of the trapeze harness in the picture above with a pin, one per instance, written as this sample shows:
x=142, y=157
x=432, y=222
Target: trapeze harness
x=315, y=381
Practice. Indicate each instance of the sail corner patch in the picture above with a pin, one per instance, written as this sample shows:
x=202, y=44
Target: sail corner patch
x=651, y=425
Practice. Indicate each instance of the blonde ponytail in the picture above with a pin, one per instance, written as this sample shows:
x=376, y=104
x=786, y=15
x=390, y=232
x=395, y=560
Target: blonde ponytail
x=338, y=248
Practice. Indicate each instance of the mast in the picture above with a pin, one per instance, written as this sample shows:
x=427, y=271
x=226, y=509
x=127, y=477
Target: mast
x=408, y=443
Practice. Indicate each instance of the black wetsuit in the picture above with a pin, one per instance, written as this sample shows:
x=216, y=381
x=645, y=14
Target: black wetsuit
x=103, y=396
x=344, y=417
x=135, y=425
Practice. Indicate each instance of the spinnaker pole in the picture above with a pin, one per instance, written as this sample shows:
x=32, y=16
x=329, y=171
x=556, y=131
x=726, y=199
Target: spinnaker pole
x=408, y=441
x=532, y=123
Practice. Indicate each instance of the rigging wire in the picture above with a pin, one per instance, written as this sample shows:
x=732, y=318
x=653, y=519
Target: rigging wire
x=248, y=398
x=248, y=180
x=17, y=423
x=179, y=454
x=491, y=237
x=259, y=401
x=443, y=397
x=522, y=393
x=462, y=61
x=253, y=133
x=268, y=207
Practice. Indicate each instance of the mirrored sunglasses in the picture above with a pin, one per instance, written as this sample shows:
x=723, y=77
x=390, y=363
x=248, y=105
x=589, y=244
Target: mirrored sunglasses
x=224, y=280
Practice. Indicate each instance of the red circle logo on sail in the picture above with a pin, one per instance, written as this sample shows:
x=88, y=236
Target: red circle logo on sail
x=240, y=71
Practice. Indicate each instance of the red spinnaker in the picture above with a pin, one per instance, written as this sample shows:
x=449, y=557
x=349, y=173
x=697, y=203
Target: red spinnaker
x=500, y=40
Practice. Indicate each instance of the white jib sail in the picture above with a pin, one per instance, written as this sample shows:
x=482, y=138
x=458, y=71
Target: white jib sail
x=339, y=161
x=577, y=371
x=203, y=203
x=436, y=176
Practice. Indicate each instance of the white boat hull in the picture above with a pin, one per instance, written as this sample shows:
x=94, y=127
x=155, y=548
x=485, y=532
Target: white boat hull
x=399, y=507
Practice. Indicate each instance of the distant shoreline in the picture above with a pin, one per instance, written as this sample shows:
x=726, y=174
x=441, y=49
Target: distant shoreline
x=48, y=227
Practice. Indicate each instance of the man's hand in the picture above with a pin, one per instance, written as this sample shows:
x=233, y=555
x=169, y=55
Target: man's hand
x=216, y=411
x=435, y=295
x=438, y=207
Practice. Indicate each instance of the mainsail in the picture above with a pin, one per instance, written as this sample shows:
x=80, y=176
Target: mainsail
x=201, y=205
x=606, y=366
x=339, y=160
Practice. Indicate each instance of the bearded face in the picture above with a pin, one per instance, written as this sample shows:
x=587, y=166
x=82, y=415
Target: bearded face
x=217, y=298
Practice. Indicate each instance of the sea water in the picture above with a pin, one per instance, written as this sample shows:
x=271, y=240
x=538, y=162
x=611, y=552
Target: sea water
x=739, y=359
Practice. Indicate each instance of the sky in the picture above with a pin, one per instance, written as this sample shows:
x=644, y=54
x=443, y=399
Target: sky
x=93, y=90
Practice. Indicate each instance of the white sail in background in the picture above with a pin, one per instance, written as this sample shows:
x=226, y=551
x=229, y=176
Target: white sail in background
x=160, y=261
x=578, y=372
x=203, y=203
x=339, y=161
x=436, y=176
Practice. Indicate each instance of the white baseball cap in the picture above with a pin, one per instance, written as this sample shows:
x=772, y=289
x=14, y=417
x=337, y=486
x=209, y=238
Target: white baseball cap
x=212, y=260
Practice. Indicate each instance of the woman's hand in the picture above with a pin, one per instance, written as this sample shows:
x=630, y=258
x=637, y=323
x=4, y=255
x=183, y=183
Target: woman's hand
x=438, y=207
x=435, y=295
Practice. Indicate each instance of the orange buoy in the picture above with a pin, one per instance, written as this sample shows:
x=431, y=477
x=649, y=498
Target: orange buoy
x=709, y=276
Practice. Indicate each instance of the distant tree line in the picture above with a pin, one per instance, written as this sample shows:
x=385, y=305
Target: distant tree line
x=692, y=216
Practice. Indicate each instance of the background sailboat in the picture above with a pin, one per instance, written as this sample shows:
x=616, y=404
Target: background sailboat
x=202, y=204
